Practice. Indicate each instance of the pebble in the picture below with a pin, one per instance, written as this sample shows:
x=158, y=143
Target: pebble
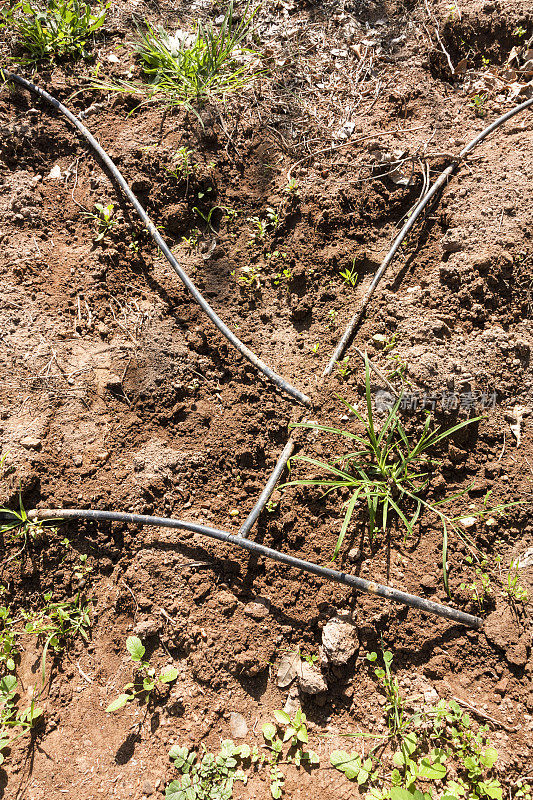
x=238, y=725
x=311, y=680
x=147, y=628
x=31, y=443
x=339, y=639
x=256, y=610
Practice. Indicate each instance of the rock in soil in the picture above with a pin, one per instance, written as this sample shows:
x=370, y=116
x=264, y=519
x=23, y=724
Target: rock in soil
x=339, y=639
x=311, y=680
x=238, y=725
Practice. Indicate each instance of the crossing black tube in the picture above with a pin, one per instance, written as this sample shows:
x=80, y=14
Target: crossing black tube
x=371, y=587
x=280, y=382
x=264, y=497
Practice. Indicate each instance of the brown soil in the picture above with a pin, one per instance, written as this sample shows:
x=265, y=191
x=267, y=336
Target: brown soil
x=136, y=403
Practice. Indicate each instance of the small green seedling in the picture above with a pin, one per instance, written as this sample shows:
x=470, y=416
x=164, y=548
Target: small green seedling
x=315, y=348
x=349, y=276
x=23, y=527
x=388, y=473
x=192, y=241
x=249, y=276
x=519, y=31
x=294, y=733
x=513, y=589
x=478, y=104
x=103, y=218
x=480, y=587
x=212, y=777
x=182, y=164
x=343, y=367
x=55, y=29
x=291, y=187
x=332, y=316
x=147, y=681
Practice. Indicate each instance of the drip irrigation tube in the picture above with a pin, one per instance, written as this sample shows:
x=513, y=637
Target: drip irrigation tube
x=421, y=205
x=361, y=584
x=264, y=497
x=280, y=382
x=347, y=336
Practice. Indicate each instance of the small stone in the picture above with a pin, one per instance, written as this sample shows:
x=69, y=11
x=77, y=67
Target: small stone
x=148, y=789
x=78, y=460
x=354, y=554
x=311, y=680
x=147, y=628
x=339, y=639
x=31, y=443
x=479, y=486
x=256, y=610
x=517, y=655
x=292, y=703
x=452, y=241
x=468, y=522
x=501, y=686
x=238, y=725
x=227, y=601
x=113, y=382
x=428, y=582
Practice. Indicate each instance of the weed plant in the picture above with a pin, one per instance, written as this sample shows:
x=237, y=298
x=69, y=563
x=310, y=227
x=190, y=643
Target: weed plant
x=55, y=30
x=188, y=68
x=389, y=472
x=146, y=679
x=437, y=755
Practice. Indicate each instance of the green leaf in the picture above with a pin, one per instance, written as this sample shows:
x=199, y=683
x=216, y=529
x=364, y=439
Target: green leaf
x=433, y=772
x=120, y=702
x=492, y=789
x=398, y=793
x=289, y=733
x=174, y=791
x=302, y=735
x=244, y=751
x=398, y=758
x=135, y=648
x=349, y=764
x=181, y=757
x=269, y=731
x=168, y=675
x=489, y=757
x=282, y=717
x=8, y=684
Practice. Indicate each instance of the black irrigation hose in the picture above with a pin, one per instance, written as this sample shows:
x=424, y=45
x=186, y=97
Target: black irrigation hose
x=280, y=382
x=259, y=549
x=421, y=205
x=264, y=497
x=347, y=336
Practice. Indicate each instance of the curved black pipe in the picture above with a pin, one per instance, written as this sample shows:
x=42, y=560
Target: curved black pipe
x=421, y=205
x=160, y=242
x=361, y=584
